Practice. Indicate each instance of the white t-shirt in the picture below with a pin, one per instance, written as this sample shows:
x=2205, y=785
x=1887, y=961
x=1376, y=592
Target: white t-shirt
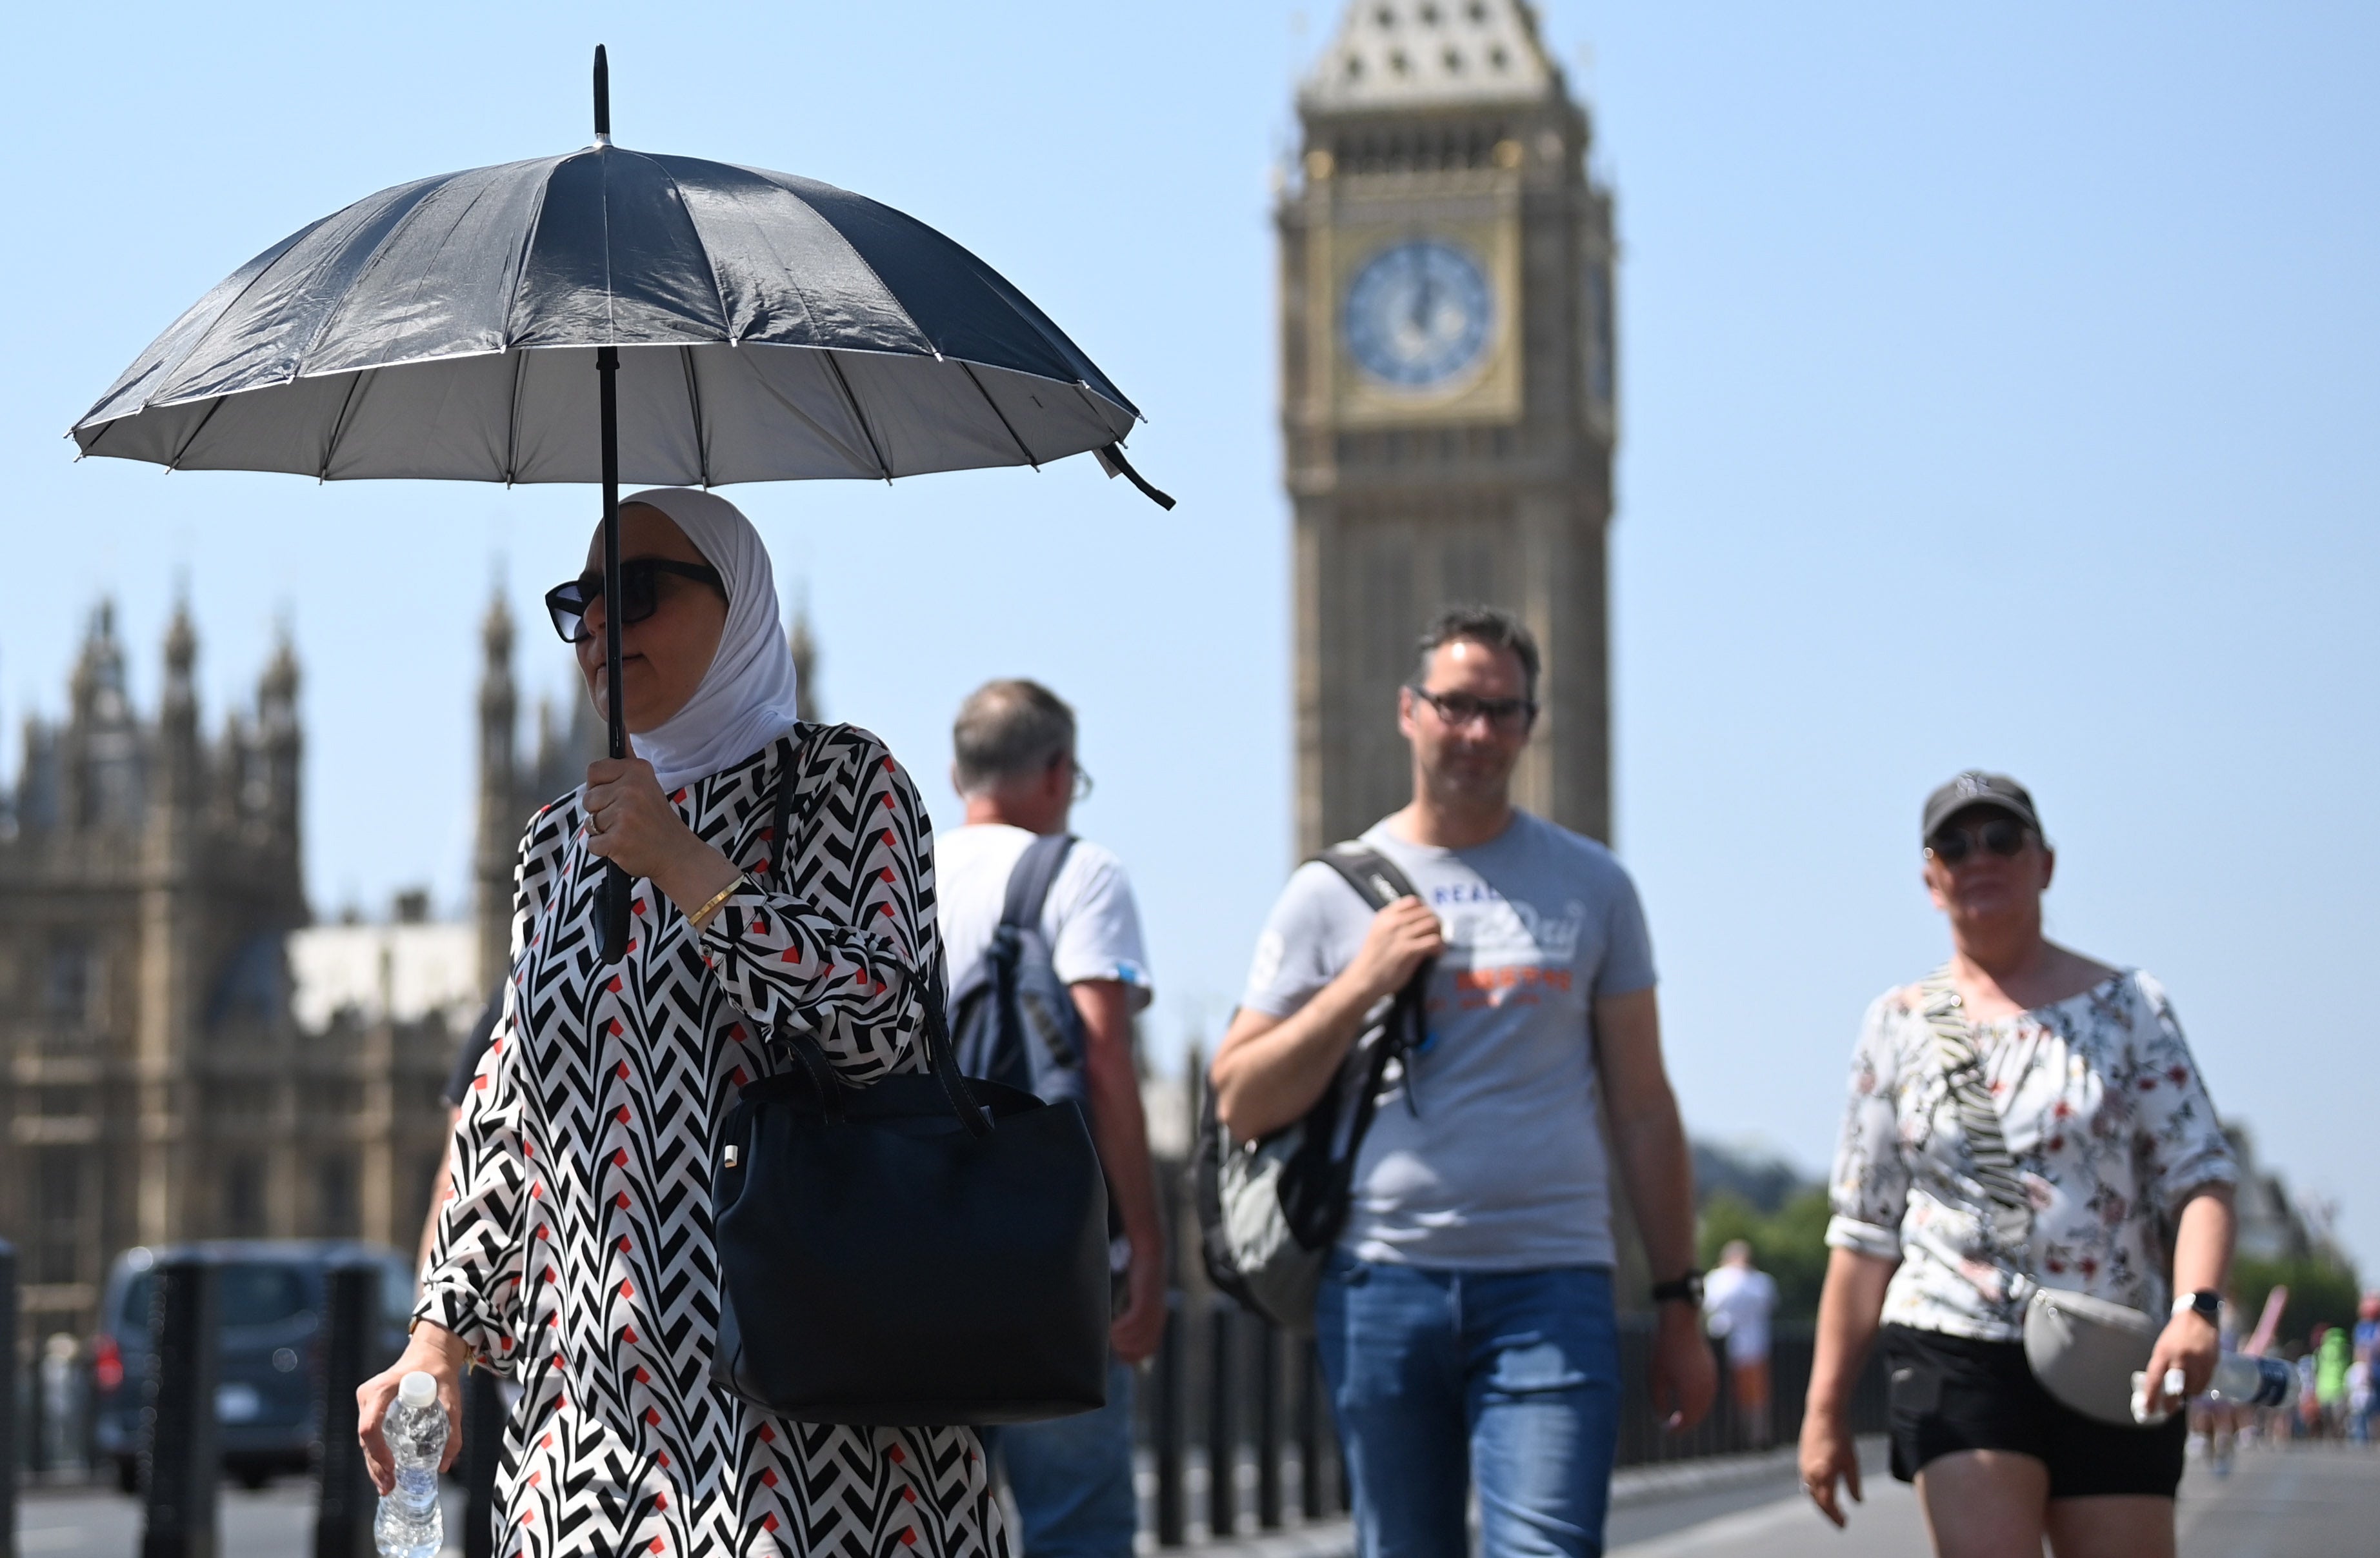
x=1738, y=1302
x=1090, y=919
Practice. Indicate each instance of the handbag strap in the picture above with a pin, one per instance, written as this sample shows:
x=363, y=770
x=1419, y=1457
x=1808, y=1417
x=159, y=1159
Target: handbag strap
x=2011, y=1219
x=941, y=1057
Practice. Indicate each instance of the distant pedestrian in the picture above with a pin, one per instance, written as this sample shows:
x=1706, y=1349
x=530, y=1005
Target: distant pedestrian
x=1738, y=1298
x=2075, y=1124
x=1465, y=1321
x=2333, y=1354
x=1013, y=765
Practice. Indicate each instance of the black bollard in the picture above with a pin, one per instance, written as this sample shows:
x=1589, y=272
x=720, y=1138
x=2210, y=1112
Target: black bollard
x=1165, y=1428
x=345, y=1501
x=8, y=1401
x=483, y=1446
x=180, y=1463
x=1267, y=1390
x=1222, y=1446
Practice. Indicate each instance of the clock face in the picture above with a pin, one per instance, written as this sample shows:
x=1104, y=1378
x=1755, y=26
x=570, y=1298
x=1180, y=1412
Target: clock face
x=1418, y=314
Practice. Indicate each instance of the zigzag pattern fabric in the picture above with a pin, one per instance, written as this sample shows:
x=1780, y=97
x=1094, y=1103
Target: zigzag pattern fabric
x=1996, y=1171
x=575, y=1255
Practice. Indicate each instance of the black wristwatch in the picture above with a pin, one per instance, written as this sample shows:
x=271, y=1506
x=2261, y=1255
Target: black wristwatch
x=2205, y=1301
x=1687, y=1289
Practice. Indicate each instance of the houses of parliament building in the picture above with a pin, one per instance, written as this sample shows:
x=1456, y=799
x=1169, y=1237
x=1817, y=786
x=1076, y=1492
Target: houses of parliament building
x=183, y=1054
x=174, y=1070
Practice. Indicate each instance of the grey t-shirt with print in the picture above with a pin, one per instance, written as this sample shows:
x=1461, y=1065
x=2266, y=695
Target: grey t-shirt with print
x=1489, y=1156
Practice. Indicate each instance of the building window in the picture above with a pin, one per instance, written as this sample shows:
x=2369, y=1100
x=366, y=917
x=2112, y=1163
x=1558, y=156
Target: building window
x=57, y=1206
x=1387, y=612
x=70, y=982
x=336, y=1197
x=243, y=1198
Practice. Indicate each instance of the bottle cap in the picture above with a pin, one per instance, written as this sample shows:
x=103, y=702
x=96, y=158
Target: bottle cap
x=417, y=1389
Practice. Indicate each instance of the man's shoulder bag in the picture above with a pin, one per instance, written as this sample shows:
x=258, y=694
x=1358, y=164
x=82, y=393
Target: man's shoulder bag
x=1270, y=1209
x=919, y=1252
x=2085, y=1351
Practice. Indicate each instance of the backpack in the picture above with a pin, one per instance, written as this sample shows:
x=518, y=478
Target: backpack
x=1014, y=1021
x=1270, y=1209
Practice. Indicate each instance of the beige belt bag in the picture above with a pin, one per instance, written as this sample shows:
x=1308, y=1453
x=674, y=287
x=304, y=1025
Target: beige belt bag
x=2085, y=1351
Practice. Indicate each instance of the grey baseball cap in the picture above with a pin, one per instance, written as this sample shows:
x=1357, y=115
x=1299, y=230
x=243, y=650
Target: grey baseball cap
x=1975, y=787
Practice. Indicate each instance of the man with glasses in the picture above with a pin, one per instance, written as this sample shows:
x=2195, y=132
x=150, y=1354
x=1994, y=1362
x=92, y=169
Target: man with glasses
x=1013, y=763
x=1466, y=1319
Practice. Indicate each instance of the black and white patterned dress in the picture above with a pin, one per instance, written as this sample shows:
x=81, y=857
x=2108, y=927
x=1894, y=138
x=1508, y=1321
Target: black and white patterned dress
x=575, y=1255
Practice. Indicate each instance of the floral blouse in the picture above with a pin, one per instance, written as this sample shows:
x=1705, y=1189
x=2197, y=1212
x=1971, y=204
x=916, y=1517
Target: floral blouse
x=2105, y=1115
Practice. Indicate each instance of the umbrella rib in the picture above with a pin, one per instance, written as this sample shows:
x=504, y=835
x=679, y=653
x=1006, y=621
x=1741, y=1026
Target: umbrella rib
x=175, y=463
x=694, y=406
x=858, y=414
x=988, y=400
x=339, y=426
x=512, y=417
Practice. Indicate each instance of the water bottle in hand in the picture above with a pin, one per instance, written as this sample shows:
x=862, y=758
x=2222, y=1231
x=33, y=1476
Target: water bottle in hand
x=2242, y=1381
x=409, y=1524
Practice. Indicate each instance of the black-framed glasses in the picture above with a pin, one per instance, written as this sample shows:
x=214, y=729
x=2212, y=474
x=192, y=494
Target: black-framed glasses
x=2003, y=836
x=1458, y=708
x=639, y=593
x=1082, y=783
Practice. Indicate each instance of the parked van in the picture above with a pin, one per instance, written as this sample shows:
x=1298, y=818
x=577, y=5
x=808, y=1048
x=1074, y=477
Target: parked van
x=267, y=1379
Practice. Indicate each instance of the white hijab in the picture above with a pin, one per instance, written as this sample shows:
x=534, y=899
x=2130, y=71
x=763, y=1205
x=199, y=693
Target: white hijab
x=747, y=698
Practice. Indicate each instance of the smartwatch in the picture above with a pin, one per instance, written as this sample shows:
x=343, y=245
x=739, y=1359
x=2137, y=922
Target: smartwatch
x=2206, y=1303
x=1687, y=1289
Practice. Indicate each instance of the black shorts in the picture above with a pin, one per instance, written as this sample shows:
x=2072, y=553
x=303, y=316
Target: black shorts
x=1951, y=1393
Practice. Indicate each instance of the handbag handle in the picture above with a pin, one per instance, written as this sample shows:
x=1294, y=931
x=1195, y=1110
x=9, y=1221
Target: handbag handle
x=941, y=1058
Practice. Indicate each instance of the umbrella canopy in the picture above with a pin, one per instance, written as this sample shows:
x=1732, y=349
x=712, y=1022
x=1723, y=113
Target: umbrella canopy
x=768, y=328
x=613, y=314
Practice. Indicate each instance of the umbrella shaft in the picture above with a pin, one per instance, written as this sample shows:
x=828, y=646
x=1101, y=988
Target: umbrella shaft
x=611, y=931
x=607, y=372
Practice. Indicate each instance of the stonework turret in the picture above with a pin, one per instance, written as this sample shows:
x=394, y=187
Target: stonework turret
x=499, y=823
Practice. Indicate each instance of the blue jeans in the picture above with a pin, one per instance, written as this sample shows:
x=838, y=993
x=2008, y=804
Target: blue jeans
x=1072, y=1478
x=1439, y=1377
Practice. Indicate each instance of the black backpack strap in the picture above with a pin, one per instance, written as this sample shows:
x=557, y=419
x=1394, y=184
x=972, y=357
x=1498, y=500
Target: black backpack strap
x=1373, y=875
x=1314, y=1195
x=1030, y=880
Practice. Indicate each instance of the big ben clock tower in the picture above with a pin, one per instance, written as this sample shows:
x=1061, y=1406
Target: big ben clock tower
x=1447, y=393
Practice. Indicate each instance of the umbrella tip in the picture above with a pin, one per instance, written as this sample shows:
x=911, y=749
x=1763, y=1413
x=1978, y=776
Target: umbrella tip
x=603, y=97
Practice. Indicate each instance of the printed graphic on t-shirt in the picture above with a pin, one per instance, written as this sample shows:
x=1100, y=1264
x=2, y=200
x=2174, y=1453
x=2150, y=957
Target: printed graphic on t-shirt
x=1504, y=951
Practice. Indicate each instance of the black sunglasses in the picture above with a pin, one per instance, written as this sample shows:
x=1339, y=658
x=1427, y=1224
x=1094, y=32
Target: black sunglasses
x=639, y=594
x=2001, y=835
x=1458, y=708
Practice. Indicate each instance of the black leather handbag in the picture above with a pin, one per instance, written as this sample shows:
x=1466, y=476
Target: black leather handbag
x=925, y=1252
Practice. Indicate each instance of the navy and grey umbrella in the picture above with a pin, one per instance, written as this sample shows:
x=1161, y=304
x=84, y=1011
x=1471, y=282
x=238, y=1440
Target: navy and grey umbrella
x=612, y=313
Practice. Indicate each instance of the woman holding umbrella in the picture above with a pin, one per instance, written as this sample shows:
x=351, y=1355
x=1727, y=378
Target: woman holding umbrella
x=575, y=1255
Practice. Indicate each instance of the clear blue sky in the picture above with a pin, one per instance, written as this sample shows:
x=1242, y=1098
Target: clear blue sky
x=1997, y=390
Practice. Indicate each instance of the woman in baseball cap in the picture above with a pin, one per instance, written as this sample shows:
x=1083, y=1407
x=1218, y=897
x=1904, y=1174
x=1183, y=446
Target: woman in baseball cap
x=2026, y=1116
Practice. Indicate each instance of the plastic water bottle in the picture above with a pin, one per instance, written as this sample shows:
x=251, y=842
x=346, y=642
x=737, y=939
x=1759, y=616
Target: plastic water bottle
x=409, y=1524
x=2237, y=1380
x=2242, y=1381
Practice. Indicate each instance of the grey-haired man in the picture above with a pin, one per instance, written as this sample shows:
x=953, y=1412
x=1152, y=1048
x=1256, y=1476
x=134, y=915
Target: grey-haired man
x=1013, y=763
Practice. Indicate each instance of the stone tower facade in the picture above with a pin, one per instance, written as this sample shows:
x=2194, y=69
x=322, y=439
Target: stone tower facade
x=513, y=788
x=157, y=1087
x=1448, y=392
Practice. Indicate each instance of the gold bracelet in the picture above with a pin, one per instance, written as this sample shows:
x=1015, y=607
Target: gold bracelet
x=701, y=916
